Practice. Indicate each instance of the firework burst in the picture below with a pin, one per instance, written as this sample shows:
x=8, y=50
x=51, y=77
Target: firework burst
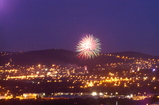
x=88, y=47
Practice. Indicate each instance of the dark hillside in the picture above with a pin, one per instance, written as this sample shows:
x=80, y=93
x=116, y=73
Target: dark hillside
x=64, y=57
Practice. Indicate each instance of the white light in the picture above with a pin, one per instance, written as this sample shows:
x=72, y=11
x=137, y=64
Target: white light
x=48, y=73
x=25, y=95
x=94, y=93
x=131, y=95
x=153, y=70
x=100, y=93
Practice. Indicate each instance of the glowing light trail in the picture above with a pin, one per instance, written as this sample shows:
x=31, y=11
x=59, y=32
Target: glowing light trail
x=88, y=47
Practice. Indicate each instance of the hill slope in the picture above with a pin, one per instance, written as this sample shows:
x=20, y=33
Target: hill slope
x=64, y=57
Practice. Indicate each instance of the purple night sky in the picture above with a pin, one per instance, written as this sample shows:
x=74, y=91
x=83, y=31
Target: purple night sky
x=121, y=25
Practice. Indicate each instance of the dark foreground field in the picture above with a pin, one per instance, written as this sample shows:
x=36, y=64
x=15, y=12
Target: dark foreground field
x=87, y=101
